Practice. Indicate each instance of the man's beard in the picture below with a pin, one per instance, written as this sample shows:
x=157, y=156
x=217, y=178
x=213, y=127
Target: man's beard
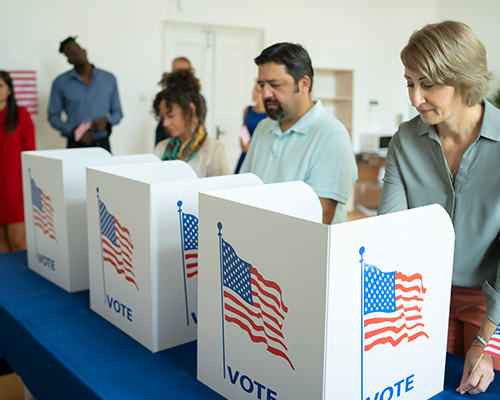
x=278, y=113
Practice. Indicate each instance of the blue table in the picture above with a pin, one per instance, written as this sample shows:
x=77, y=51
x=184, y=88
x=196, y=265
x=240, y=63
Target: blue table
x=63, y=350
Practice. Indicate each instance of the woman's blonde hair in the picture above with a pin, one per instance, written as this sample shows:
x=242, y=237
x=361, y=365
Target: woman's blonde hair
x=449, y=53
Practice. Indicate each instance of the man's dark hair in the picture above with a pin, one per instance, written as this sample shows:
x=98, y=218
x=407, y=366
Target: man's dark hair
x=293, y=56
x=65, y=42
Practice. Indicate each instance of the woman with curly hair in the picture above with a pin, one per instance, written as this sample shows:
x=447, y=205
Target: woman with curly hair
x=17, y=134
x=181, y=110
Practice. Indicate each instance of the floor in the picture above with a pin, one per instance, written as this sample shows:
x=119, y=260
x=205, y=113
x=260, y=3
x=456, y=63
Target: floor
x=11, y=385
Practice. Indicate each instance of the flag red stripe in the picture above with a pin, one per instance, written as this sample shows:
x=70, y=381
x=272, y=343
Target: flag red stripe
x=267, y=304
x=386, y=340
x=255, y=315
x=191, y=274
x=192, y=255
x=407, y=289
x=44, y=219
x=114, y=255
x=247, y=328
x=279, y=353
x=120, y=271
x=126, y=231
x=124, y=241
x=379, y=320
x=411, y=278
x=230, y=296
x=416, y=298
x=193, y=265
x=492, y=346
x=272, y=285
x=369, y=335
x=417, y=335
x=46, y=231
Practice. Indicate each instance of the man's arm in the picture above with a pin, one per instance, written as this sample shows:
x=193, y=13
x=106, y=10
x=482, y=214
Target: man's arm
x=56, y=105
x=329, y=206
x=115, y=112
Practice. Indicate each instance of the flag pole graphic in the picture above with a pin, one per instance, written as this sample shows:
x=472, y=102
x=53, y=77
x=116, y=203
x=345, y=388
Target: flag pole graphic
x=32, y=214
x=362, y=262
x=219, y=225
x=179, y=204
x=100, y=241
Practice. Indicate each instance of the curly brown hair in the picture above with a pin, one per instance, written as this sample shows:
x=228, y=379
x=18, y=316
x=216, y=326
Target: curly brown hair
x=182, y=88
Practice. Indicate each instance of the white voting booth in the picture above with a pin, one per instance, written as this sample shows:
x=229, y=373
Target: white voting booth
x=143, y=247
x=290, y=308
x=55, y=211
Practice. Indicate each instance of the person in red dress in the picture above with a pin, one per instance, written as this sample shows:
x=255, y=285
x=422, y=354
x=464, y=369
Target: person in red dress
x=17, y=133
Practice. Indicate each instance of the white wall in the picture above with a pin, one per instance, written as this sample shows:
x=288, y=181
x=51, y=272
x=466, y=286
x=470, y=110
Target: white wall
x=124, y=37
x=482, y=16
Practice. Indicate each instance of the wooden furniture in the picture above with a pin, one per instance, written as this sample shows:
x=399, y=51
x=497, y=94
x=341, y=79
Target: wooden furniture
x=334, y=87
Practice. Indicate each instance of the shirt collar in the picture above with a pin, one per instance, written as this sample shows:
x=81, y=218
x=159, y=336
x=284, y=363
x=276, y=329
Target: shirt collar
x=74, y=75
x=490, y=128
x=303, y=125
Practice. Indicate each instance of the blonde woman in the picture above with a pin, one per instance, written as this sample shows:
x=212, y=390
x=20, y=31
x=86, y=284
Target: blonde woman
x=181, y=110
x=449, y=155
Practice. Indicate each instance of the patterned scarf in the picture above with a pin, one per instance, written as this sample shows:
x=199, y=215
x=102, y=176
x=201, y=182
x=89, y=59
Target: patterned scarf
x=187, y=150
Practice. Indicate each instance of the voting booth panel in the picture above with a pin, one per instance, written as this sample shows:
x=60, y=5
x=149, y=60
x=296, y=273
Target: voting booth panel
x=389, y=284
x=262, y=325
x=280, y=298
x=143, y=248
x=55, y=211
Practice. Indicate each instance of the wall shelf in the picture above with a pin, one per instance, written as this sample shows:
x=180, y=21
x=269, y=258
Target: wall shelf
x=334, y=87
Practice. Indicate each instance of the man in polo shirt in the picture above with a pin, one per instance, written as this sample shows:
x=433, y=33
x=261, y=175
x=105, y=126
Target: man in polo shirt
x=88, y=96
x=300, y=141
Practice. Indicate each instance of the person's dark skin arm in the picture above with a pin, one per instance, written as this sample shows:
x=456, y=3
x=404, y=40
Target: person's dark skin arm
x=329, y=206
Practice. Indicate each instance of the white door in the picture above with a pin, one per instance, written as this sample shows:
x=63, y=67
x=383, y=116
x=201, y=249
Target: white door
x=223, y=61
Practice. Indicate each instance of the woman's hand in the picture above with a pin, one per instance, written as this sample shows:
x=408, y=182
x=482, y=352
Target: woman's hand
x=483, y=375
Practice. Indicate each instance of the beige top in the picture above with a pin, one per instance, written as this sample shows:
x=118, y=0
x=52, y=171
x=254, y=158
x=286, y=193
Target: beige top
x=209, y=161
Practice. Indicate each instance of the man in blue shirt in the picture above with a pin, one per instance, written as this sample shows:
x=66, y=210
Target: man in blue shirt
x=88, y=96
x=300, y=141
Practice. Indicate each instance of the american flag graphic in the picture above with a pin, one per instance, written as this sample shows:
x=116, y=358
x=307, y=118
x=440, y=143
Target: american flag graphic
x=392, y=307
x=190, y=235
x=43, y=212
x=116, y=244
x=25, y=91
x=493, y=347
x=253, y=303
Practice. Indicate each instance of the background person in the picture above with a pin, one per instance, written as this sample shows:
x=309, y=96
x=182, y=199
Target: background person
x=17, y=134
x=181, y=109
x=449, y=155
x=89, y=96
x=251, y=117
x=300, y=141
x=178, y=63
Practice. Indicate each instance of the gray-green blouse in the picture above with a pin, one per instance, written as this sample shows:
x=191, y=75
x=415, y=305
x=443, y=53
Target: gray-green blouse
x=416, y=175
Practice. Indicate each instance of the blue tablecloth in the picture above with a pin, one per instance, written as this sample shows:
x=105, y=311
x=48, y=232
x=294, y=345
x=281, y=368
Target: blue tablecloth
x=63, y=350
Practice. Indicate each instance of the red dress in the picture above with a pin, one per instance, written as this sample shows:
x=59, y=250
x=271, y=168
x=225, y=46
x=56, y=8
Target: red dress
x=11, y=181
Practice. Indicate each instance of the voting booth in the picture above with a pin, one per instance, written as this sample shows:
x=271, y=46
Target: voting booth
x=143, y=247
x=290, y=308
x=55, y=211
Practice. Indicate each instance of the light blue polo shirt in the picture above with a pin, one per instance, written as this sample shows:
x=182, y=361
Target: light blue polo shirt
x=316, y=150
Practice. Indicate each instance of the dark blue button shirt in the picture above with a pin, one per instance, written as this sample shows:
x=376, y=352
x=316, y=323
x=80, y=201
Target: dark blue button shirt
x=81, y=102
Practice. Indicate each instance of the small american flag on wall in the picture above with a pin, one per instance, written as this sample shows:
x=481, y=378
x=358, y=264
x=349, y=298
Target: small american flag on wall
x=25, y=91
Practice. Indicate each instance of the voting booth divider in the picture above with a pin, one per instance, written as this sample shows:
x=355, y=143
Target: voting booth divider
x=143, y=247
x=290, y=308
x=56, y=214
